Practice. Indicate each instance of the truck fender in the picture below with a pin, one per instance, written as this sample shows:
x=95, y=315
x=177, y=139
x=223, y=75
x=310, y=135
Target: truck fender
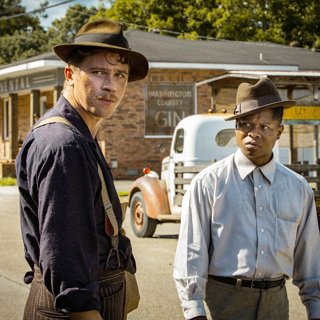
x=154, y=192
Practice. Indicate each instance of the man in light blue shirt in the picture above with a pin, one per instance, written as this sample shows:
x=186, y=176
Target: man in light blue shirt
x=248, y=223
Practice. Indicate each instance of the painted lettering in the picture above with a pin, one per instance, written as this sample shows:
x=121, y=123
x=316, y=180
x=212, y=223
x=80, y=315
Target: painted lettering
x=165, y=119
x=13, y=85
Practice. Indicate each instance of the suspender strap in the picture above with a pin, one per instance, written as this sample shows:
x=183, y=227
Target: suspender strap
x=53, y=120
x=108, y=207
x=114, y=230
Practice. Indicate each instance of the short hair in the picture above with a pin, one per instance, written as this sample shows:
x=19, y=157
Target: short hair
x=79, y=54
x=277, y=114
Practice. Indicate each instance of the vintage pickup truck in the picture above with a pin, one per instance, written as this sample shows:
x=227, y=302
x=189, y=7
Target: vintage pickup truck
x=198, y=141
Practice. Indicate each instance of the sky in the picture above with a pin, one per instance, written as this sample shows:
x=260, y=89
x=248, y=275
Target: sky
x=58, y=11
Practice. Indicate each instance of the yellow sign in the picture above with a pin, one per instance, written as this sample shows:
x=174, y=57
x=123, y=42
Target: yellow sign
x=302, y=113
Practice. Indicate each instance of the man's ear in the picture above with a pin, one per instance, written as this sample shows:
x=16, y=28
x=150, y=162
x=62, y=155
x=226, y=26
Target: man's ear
x=280, y=130
x=68, y=74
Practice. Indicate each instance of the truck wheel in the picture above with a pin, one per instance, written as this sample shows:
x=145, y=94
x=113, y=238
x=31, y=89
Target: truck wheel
x=142, y=225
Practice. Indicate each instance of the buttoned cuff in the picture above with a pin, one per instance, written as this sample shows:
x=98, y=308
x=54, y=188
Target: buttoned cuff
x=193, y=308
x=79, y=299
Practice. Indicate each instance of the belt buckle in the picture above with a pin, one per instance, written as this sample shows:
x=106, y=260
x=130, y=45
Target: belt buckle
x=254, y=284
x=238, y=283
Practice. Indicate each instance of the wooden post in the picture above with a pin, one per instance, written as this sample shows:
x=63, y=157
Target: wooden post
x=34, y=106
x=13, y=131
x=56, y=93
x=293, y=149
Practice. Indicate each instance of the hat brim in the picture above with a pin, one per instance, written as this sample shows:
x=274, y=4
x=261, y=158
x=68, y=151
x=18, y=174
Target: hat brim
x=284, y=104
x=139, y=65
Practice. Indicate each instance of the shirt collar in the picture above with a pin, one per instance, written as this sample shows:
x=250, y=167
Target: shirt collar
x=245, y=166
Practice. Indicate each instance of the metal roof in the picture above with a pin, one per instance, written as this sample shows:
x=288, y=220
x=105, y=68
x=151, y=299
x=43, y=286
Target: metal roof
x=160, y=48
x=169, y=52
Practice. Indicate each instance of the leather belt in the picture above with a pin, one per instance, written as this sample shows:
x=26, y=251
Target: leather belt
x=256, y=284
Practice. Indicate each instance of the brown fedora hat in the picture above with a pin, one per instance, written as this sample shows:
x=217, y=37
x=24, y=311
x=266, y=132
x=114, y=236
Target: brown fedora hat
x=107, y=34
x=258, y=97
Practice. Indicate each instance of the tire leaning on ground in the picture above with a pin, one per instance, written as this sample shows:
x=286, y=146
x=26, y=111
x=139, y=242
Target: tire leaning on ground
x=142, y=225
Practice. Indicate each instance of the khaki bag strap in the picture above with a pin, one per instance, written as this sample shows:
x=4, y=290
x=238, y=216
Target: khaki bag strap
x=104, y=193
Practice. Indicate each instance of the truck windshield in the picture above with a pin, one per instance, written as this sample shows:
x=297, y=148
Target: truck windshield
x=178, y=144
x=226, y=138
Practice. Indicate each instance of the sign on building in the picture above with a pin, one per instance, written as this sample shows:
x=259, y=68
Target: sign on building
x=166, y=105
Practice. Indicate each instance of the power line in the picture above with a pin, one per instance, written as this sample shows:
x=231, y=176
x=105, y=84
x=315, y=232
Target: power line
x=176, y=33
x=35, y=11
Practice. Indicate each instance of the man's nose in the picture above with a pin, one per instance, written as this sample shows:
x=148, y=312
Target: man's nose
x=255, y=131
x=109, y=84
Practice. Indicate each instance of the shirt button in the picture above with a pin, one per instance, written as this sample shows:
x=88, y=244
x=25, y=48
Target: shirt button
x=262, y=252
x=259, y=186
x=261, y=208
x=262, y=230
x=259, y=274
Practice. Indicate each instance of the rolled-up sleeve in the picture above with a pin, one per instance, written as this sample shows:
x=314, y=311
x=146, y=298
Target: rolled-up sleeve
x=192, y=255
x=306, y=273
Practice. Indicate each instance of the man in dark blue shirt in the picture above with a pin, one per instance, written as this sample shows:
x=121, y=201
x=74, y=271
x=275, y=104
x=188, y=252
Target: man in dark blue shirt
x=63, y=220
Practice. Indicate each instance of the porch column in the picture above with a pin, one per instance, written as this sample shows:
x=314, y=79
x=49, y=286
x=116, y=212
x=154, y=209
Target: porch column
x=56, y=93
x=34, y=106
x=293, y=149
x=13, y=135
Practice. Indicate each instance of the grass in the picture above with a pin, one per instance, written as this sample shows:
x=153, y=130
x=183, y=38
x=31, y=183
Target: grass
x=123, y=193
x=8, y=181
x=13, y=182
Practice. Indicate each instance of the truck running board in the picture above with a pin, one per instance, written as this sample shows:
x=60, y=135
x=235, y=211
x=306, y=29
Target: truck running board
x=168, y=217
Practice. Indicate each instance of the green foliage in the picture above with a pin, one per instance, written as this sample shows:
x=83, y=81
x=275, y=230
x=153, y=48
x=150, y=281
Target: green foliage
x=9, y=8
x=280, y=21
x=64, y=29
x=22, y=45
x=22, y=37
x=4, y=182
x=269, y=20
x=184, y=19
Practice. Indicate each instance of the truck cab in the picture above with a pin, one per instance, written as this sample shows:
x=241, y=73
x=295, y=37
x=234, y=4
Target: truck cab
x=198, y=141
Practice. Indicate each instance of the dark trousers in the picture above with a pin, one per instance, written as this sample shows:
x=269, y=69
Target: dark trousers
x=39, y=305
x=227, y=302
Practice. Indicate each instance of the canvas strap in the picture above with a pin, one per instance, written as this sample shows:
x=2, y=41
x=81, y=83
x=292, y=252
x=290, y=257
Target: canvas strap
x=111, y=224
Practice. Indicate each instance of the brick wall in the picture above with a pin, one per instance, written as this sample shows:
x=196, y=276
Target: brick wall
x=24, y=117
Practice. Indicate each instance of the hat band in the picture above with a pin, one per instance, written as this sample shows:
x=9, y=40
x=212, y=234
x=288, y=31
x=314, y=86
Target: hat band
x=251, y=105
x=106, y=38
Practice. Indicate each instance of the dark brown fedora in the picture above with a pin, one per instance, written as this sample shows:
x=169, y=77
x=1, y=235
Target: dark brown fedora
x=258, y=97
x=107, y=34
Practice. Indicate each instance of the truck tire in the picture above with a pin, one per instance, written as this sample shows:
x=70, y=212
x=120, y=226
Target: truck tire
x=142, y=225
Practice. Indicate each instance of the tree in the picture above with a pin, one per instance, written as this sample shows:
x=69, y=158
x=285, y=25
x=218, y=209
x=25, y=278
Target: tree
x=64, y=29
x=181, y=18
x=15, y=47
x=13, y=17
x=269, y=20
x=15, y=27
x=280, y=21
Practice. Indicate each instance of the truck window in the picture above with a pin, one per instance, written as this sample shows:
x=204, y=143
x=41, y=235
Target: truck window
x=178, y=144
x=226, y=138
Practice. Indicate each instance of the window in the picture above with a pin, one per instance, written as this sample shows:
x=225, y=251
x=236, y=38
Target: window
x=226, y=138
x=178, y=144
x=6, y=119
